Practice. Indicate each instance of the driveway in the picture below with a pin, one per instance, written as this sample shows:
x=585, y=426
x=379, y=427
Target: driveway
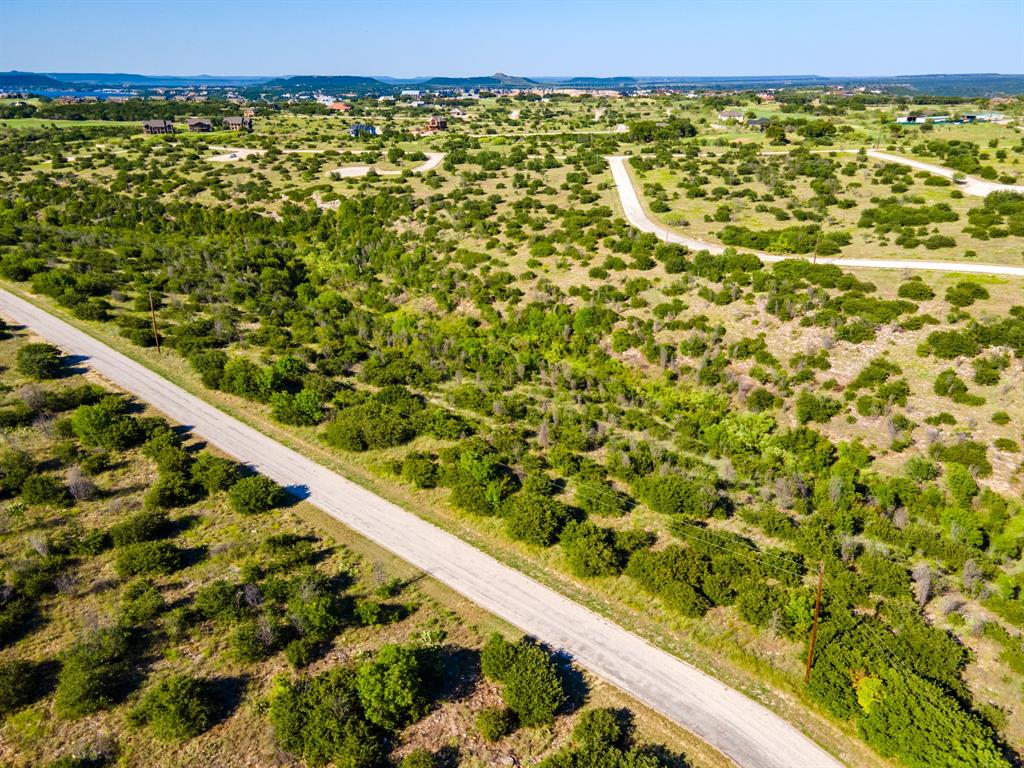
x=737, y=726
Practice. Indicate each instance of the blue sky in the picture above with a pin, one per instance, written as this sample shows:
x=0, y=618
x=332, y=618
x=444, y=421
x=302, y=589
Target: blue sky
x=529, y=37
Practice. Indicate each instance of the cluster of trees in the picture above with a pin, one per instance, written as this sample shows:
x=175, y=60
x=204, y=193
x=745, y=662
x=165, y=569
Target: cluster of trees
x=358, y=322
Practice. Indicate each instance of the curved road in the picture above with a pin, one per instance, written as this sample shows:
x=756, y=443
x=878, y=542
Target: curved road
x=740, y=728
x=637, y=216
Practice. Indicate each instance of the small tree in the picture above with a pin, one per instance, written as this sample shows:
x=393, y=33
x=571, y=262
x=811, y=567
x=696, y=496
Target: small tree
x=40, y=361
x=255, y=494
x=391, y=688
x=176, y=709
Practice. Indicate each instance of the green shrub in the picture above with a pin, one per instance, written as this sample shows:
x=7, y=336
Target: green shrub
x=916, y=290
x=177, y=708
x=45, y=491
x=93, y=675
x=321, y=720
x=418, y=758
x=590, y=550
x=961, y=484
x=965, y=293
x=147, y=557
x=533, y=689
x=535, y=519
x=496, y=657
x=495, y=723
x=392, y=688
x=598, y=730
x=142, y=526
x=214, y=473
x=39, y=361
x=419, y=470
x=106, y=425
x=18, y=685
x=821, y=409
x=15, y=468
x=255, y=494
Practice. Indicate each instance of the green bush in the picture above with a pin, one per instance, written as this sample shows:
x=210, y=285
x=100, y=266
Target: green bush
x=255, y=494
x=15, y=468
x=45, y=491
x=93, y=675
x=214, y=473
x=916, y=290
x=106, y=425
x=598, y=730
x=321, y=720
x=39, y=361
x=142, y=526
x=17, y=685
x=147, y=557
x=965, y=293
x=495, y=723
x=418, y=758
x=419, y=470
x=535, y=519
x=177, y=708
x=821, y=409
x=392, y=688
x=590, y=550
x=533, y=689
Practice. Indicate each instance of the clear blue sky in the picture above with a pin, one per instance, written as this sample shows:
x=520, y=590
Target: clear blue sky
x=557, y=37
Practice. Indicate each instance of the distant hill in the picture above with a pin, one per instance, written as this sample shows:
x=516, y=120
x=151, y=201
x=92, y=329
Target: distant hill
x=113, y=79
x=16, y=79
x=325, y=81
x=599, y=81
x=498, y=79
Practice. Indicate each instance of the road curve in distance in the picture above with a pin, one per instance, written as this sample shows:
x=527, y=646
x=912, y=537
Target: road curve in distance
x=745, y=731
x=636, y=215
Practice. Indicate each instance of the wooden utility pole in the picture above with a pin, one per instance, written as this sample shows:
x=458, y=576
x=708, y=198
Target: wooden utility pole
x=152, y=314
x=814, y=626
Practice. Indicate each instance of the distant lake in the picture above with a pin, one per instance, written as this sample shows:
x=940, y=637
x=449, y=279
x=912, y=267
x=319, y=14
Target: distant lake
x=56, y=94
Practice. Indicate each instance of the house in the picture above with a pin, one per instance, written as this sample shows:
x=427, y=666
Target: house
x=760, y=123
x=922, y=119
x=157, y=127
x=199, y=125
x=410, y=93
x=361, y=129
x=339, y=106
x=437, y=124
x=238, y=124
x=456, y=112
x=730, y=115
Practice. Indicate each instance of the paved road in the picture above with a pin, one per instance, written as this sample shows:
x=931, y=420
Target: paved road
x=740, y=728
x=637, y=216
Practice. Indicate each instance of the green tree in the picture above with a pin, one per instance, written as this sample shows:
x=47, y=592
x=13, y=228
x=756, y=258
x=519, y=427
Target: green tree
x=255, y=494
x=39, y=361
x=177, y=708
x=392, y=689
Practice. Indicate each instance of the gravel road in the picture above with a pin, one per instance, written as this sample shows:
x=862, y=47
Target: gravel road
x=637, y=216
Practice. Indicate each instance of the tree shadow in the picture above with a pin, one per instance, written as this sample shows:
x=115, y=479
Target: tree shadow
x=448, y=757
x=226, y=695
x=456, y=672
x=573, y=682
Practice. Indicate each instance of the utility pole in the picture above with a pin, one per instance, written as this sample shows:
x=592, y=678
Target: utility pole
x=814, y=626
x=152, y=314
